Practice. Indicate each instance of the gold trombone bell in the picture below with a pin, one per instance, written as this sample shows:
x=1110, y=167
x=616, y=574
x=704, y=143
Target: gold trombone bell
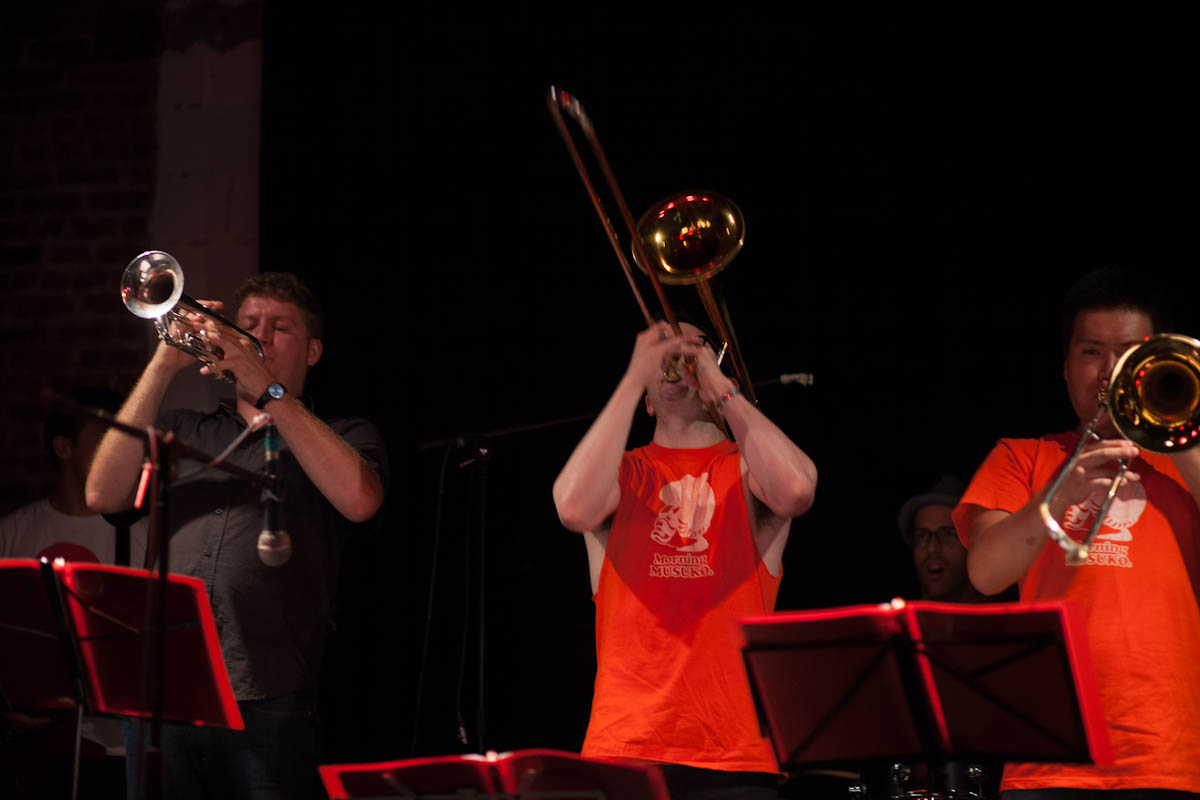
x=688, y=238
x=1154, y=393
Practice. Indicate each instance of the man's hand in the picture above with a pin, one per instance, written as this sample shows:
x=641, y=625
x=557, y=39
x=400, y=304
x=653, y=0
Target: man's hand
x=240, y=357
x=1095, y=469
x=654, y=349
x=1005, y=545
x=659, y=345
x=712, y=382
x=171, y=358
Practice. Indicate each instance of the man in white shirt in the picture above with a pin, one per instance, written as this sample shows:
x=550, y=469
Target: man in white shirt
x=60, y=525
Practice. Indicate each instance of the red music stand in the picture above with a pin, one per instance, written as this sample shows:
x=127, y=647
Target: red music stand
x=929, y=681
x=71, y=635
x=542, y=774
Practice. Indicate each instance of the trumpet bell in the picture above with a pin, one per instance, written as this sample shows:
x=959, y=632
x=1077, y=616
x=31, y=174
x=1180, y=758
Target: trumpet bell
x=690, y=237
x=152, y=284
x=152, y=288
x=1154, y=394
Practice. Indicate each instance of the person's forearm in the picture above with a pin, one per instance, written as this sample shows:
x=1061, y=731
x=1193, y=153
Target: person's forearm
x=585, y=490
x=334, y=467
x=783, y=476
x=113, y=474
x=1003, y=545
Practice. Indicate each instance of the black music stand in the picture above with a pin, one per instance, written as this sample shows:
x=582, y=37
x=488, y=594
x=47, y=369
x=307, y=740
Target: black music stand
x=521, y=775
x=71, y=636
x=929, y=681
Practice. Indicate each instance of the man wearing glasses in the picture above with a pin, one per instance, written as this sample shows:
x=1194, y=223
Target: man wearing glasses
x=939, y=558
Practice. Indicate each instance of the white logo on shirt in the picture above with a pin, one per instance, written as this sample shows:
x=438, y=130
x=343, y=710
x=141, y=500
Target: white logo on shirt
x=1126, y=509
x=687, y=512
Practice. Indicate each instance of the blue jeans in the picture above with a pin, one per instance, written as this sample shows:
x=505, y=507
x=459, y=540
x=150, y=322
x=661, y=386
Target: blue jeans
x=274, y=758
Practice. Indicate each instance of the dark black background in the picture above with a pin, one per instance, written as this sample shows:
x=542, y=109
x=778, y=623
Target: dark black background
x=920, y=187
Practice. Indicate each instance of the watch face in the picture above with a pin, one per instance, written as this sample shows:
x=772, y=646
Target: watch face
x=274, y=392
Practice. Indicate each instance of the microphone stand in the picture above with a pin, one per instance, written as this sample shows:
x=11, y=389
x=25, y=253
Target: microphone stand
x=480, y=454
x=165, y=450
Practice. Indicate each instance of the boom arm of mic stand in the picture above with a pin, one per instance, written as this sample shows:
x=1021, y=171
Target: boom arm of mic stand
x=178, y=447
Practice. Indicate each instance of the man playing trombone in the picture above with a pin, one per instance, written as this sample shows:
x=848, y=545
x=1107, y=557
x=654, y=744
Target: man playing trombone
x=1137, y=586
x=271, y=616
x=683, y=536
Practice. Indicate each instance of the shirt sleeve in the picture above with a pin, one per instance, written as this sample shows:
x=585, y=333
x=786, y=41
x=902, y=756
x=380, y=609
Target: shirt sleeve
x=1003, y=483
x=367, y=442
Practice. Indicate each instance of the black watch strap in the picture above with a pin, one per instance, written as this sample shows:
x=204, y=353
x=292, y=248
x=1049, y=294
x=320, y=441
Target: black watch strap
x=275, y=391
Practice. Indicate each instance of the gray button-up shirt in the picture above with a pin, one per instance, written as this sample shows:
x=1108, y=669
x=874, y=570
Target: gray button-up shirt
x=271, y=620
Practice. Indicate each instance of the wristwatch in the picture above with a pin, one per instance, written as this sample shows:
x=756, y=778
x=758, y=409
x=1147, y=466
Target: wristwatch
x=274, y=392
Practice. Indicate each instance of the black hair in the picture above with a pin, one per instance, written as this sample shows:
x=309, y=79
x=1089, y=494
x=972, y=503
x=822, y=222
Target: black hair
x=60, y=424
x=1114, y=288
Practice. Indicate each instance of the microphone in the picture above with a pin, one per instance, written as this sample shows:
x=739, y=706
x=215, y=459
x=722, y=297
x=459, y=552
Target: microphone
x=802, y=378
x=274, y=545
x=479, y=454
x=798, y=378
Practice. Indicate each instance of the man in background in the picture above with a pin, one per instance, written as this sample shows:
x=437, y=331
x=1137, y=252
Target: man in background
x=940, y=564
x=36, y=756
x=939, y=558
x=61, y=524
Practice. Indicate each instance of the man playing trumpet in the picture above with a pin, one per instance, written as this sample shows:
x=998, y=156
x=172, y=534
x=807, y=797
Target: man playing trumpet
x=1137, y=590
x=271, y=618
x=683, y=536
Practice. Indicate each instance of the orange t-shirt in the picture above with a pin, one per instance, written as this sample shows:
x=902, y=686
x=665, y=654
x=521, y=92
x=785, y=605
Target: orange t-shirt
x=680, y=568
x=1138, y=594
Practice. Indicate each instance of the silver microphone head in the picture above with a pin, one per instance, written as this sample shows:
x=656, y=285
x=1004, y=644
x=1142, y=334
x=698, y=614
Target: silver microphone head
x=274, y=548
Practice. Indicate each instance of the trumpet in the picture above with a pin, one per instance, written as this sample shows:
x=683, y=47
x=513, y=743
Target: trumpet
x=152, y=288
x=1153, y=398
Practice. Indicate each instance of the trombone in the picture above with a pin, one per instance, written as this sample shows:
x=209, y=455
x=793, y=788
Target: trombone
x=686, y=238
x=1153, y=397
x=152, y=288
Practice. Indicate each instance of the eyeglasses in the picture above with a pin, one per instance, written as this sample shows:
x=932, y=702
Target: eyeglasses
x=946, y=536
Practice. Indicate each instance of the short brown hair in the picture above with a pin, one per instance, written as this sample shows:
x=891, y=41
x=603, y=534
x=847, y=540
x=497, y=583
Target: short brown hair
x=288, y=288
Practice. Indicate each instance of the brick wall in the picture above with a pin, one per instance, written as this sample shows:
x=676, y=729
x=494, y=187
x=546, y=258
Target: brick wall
x=82, y=192
x=77, y=159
